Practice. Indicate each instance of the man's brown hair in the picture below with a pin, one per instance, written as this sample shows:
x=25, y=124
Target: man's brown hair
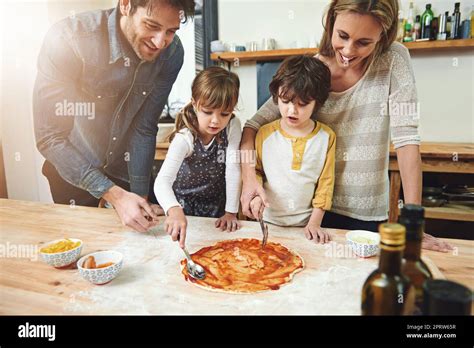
x=302, y=77
x=187, y=6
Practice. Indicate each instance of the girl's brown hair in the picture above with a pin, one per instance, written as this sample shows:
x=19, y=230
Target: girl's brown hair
x=213, y=88
x=384, y=11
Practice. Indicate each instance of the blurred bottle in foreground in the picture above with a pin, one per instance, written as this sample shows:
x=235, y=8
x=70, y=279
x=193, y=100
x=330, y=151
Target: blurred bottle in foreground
x=444, y=297
x=412, y=217
x=387, y=291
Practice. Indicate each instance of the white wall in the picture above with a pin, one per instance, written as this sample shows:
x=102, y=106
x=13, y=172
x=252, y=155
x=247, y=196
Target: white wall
x=445, y=79
x=445, y=90
x=23, y=25
x=182, y=87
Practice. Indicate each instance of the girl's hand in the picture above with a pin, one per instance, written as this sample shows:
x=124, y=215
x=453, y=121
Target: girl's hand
x=175, y=225
x=228, y=222
x=317, y=234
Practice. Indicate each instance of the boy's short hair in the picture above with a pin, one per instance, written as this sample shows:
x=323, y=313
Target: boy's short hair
x=303, y=77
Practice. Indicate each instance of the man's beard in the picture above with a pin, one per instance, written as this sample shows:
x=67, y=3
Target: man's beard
x=133, y=40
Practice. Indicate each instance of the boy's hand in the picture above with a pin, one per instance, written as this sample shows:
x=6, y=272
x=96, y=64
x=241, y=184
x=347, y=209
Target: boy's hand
x=316, y=233
x=228, y=222
x=175, y=225
x=256, y=207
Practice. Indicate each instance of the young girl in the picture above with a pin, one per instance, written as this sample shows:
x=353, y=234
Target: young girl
x=201, y=173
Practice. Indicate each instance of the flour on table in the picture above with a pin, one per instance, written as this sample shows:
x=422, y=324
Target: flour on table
x=151, y=283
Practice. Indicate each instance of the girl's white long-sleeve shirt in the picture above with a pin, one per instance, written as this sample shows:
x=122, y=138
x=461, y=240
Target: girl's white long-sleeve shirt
x=182, y=147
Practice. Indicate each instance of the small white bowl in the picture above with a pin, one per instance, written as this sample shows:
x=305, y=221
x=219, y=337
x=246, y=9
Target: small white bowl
x=104, y=275
x=217, y=46
x=363, y=249
x=64, y=258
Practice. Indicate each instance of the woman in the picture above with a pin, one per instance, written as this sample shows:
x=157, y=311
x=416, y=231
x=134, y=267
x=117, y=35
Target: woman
x=372, y=101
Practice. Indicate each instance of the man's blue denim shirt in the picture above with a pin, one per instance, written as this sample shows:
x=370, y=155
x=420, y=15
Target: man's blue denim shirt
x=96, y=106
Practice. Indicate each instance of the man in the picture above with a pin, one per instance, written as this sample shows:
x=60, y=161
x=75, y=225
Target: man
x=103, y=80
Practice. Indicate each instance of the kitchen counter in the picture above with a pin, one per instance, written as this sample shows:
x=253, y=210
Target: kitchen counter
x=151, y=282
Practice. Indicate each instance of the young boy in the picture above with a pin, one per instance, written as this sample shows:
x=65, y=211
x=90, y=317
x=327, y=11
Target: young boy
x=296, y=155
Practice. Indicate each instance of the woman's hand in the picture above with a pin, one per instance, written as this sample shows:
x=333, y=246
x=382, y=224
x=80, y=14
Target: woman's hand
x=257, y=207
x=250, y=191
x=432, y=243
x=250, y=185
x=228, y=222
x=175, y=225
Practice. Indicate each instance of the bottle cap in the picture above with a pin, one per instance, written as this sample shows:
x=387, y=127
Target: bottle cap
x=392, y=234
x=412, y=211
x=412, y=217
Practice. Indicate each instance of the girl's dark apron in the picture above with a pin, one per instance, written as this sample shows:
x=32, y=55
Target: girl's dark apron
x=200, y=184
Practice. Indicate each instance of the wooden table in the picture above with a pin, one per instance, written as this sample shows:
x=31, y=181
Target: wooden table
x=435, y=158
x=150, y=281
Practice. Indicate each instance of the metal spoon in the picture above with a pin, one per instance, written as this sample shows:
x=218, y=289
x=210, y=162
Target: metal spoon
x=196, y=271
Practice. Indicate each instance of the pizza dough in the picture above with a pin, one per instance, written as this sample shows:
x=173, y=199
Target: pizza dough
x=242, y=266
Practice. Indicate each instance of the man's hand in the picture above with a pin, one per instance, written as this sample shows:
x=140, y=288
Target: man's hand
x=157, y=210
x=432, y=243
x=316, y=234
x=131, y=209
x=175, y=225
x=228, y=222
x=250, y=190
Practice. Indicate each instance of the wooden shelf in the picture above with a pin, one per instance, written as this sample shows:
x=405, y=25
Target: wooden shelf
x=449, y=213
x=262, y=55
x=283, y=53
x=439, y=44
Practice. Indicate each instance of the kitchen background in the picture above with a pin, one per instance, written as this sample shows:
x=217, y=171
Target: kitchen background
x=445, y=78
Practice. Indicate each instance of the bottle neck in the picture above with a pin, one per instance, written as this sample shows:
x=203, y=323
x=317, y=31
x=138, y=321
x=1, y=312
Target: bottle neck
x=413, y=250
x=413, y=242
x=390, y=260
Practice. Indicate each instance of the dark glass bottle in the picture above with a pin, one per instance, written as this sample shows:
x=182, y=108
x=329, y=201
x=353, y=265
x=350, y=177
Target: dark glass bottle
x=387, y=291
x=448, y=25
x=412, y=217
x=434, y=29
x=444, y=297
x=456, y=22
x=426, y=19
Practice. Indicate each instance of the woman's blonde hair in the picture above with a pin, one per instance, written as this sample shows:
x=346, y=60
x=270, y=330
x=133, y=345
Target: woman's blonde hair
x=384, y=11
x=213, y=88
